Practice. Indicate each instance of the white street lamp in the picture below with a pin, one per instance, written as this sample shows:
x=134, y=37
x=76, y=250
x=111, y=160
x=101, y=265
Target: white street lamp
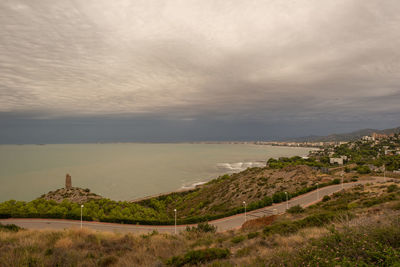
x=317, y=191
x=81, y=215
x=342, y=180
x=175, y=220
x=287, y=200
x=384, y=172
x=245, y=215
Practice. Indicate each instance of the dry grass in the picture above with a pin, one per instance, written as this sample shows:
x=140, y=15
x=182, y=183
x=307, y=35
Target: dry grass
x=89, y=248
x=86, y=248
x=63, y=243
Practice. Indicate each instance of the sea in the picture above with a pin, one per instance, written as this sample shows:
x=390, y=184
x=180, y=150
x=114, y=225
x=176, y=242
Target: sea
x=125, y=171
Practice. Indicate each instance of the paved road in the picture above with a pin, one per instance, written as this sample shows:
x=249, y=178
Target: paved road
x=223, y=224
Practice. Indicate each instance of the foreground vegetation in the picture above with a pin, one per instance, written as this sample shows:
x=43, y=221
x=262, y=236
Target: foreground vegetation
x=357, y=227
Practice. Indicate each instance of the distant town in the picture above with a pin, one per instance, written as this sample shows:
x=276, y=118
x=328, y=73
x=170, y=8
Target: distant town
x=374, y=137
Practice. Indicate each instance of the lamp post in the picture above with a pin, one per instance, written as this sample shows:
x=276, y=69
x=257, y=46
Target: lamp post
x=384, y=172
x=175, y=220
x=342, y=180
x=317, y=191
x=287, y=201
x=245, y=215
x=81, y=215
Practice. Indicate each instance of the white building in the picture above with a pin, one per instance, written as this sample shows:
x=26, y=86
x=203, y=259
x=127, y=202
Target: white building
x=339, y=161
x=336, y=160
x=368, y=138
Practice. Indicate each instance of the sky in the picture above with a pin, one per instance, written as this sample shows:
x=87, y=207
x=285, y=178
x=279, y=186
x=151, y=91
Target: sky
x=170, y=71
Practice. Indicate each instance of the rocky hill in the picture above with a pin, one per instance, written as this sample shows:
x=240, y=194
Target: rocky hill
x=73, y=194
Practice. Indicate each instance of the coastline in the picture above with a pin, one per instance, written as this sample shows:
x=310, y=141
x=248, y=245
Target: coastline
x=258, y=143
x=197, y=184
x=126, y=172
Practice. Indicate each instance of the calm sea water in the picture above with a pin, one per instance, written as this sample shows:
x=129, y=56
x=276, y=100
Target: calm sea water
x=124, y=171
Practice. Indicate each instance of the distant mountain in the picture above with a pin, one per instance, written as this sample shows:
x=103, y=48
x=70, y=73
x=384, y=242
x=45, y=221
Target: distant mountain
x=344, y=136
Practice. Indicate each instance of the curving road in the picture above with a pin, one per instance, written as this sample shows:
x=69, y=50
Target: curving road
x=223, y=224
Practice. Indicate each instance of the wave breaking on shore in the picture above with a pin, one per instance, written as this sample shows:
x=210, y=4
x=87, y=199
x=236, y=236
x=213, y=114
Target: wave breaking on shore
x=240, y=166
x=228, y=168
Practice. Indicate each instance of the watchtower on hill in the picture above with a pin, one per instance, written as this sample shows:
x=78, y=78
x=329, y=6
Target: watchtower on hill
x=68, y=181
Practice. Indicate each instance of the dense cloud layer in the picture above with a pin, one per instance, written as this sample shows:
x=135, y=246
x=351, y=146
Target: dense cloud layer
x=271, y=63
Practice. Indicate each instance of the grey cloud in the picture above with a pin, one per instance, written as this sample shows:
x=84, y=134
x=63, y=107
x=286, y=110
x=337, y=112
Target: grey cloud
x=264, y=61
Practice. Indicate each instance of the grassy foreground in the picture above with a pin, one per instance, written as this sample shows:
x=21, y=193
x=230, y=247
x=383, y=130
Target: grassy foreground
x=359, y=226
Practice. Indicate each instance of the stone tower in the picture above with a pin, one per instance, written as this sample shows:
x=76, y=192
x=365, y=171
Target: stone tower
x=68, y=181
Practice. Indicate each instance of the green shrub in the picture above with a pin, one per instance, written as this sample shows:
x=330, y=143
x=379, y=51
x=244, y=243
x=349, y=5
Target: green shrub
x=378, y=200
x=318, y=219
x=326, y=198
x=294, y=161
x=282, y=228
x=363, y=169
x=243, y=252
x=238, y=239
x=195, y=257
x=278, y=197
x=10, y=227
x=335, y=181
x=295, y=209
x=252, y=235
x=391, y=188
x=107, y=261
x=48, y=252
x=202, y=227
x=289, y=227
x=352, y=205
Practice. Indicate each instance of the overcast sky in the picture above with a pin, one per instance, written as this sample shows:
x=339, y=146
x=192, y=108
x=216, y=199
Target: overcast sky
x=129, y=70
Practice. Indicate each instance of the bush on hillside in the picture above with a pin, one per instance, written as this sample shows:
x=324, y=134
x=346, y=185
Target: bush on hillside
x=363, y=169
x=238, y=239
x=296, y=209
x=202, y=228
x=326, y=198
x=391, y=188
x=196, y=257
x=289, y=227
x=10, y=227
x=279, y=197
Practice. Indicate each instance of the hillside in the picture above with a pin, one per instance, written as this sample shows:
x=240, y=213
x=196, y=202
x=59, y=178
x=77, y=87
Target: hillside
x=229, y=191
x=344, y=136
x=355, y=227
x=73, y=194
